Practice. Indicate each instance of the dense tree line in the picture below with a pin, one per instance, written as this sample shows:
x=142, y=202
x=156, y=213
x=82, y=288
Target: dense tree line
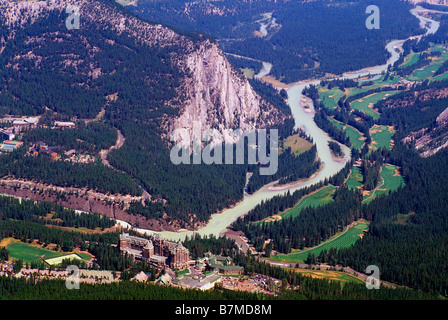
x=199, y=245
x=371, y=168
x=407, y=238
x=335, y=149
x=414, y=109
x=290, y=168
x=37, y=211
x=341, y=83
x=302, y=48
x=90, y=138
x=321, y=120
x=95, y=176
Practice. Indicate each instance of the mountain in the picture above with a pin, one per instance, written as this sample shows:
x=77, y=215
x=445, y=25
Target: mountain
x=302, y=39
x=209, y=85
x=141, y=78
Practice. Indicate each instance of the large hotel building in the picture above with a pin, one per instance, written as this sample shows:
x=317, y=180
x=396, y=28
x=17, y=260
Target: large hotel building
x=159, y=252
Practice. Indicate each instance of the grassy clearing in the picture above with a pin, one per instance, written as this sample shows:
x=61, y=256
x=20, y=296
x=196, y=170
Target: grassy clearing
x=382, y=137
x=297, y=144
x=329, y=275
x=319, y=198
x=341, y=240
x=354, y=181
x=28, y=252
x=31, y=252
x=248, y=72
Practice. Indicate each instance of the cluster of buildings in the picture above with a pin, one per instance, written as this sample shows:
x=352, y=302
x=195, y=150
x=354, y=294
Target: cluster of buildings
x=403, y=83
x=200, y=274
x=84, y=276
x=162, y=254
x=53, y=152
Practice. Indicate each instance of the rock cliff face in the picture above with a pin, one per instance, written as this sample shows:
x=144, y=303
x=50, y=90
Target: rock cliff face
x=429, y=141
x=212, y=92
x=219, y=97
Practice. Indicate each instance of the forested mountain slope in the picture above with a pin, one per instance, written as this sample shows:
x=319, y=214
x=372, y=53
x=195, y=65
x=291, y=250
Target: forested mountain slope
x=304, y=39
x=151, y=80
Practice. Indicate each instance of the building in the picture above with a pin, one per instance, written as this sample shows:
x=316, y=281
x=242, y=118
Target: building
x=140, y=277
x=7, y=134
x=64, y=125
x=9, y=145
x=159, y=252
x=40, y=145
x=222, y=265
x=164, y=279
x=24, y=125
x=49, y=153
x=70, y=153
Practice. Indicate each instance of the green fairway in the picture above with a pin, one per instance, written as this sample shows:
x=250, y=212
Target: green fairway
x=365, y=104
x=354, y=181
x=428, y=71
x=376, y=84
x=339, y=241
x=425, y=73
x=331, y=97
x=28, y=252
x=356, y=137
x=319, y=198
x=443, y=76
x=382, y=137
x=391, y=181
x=410, y=59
